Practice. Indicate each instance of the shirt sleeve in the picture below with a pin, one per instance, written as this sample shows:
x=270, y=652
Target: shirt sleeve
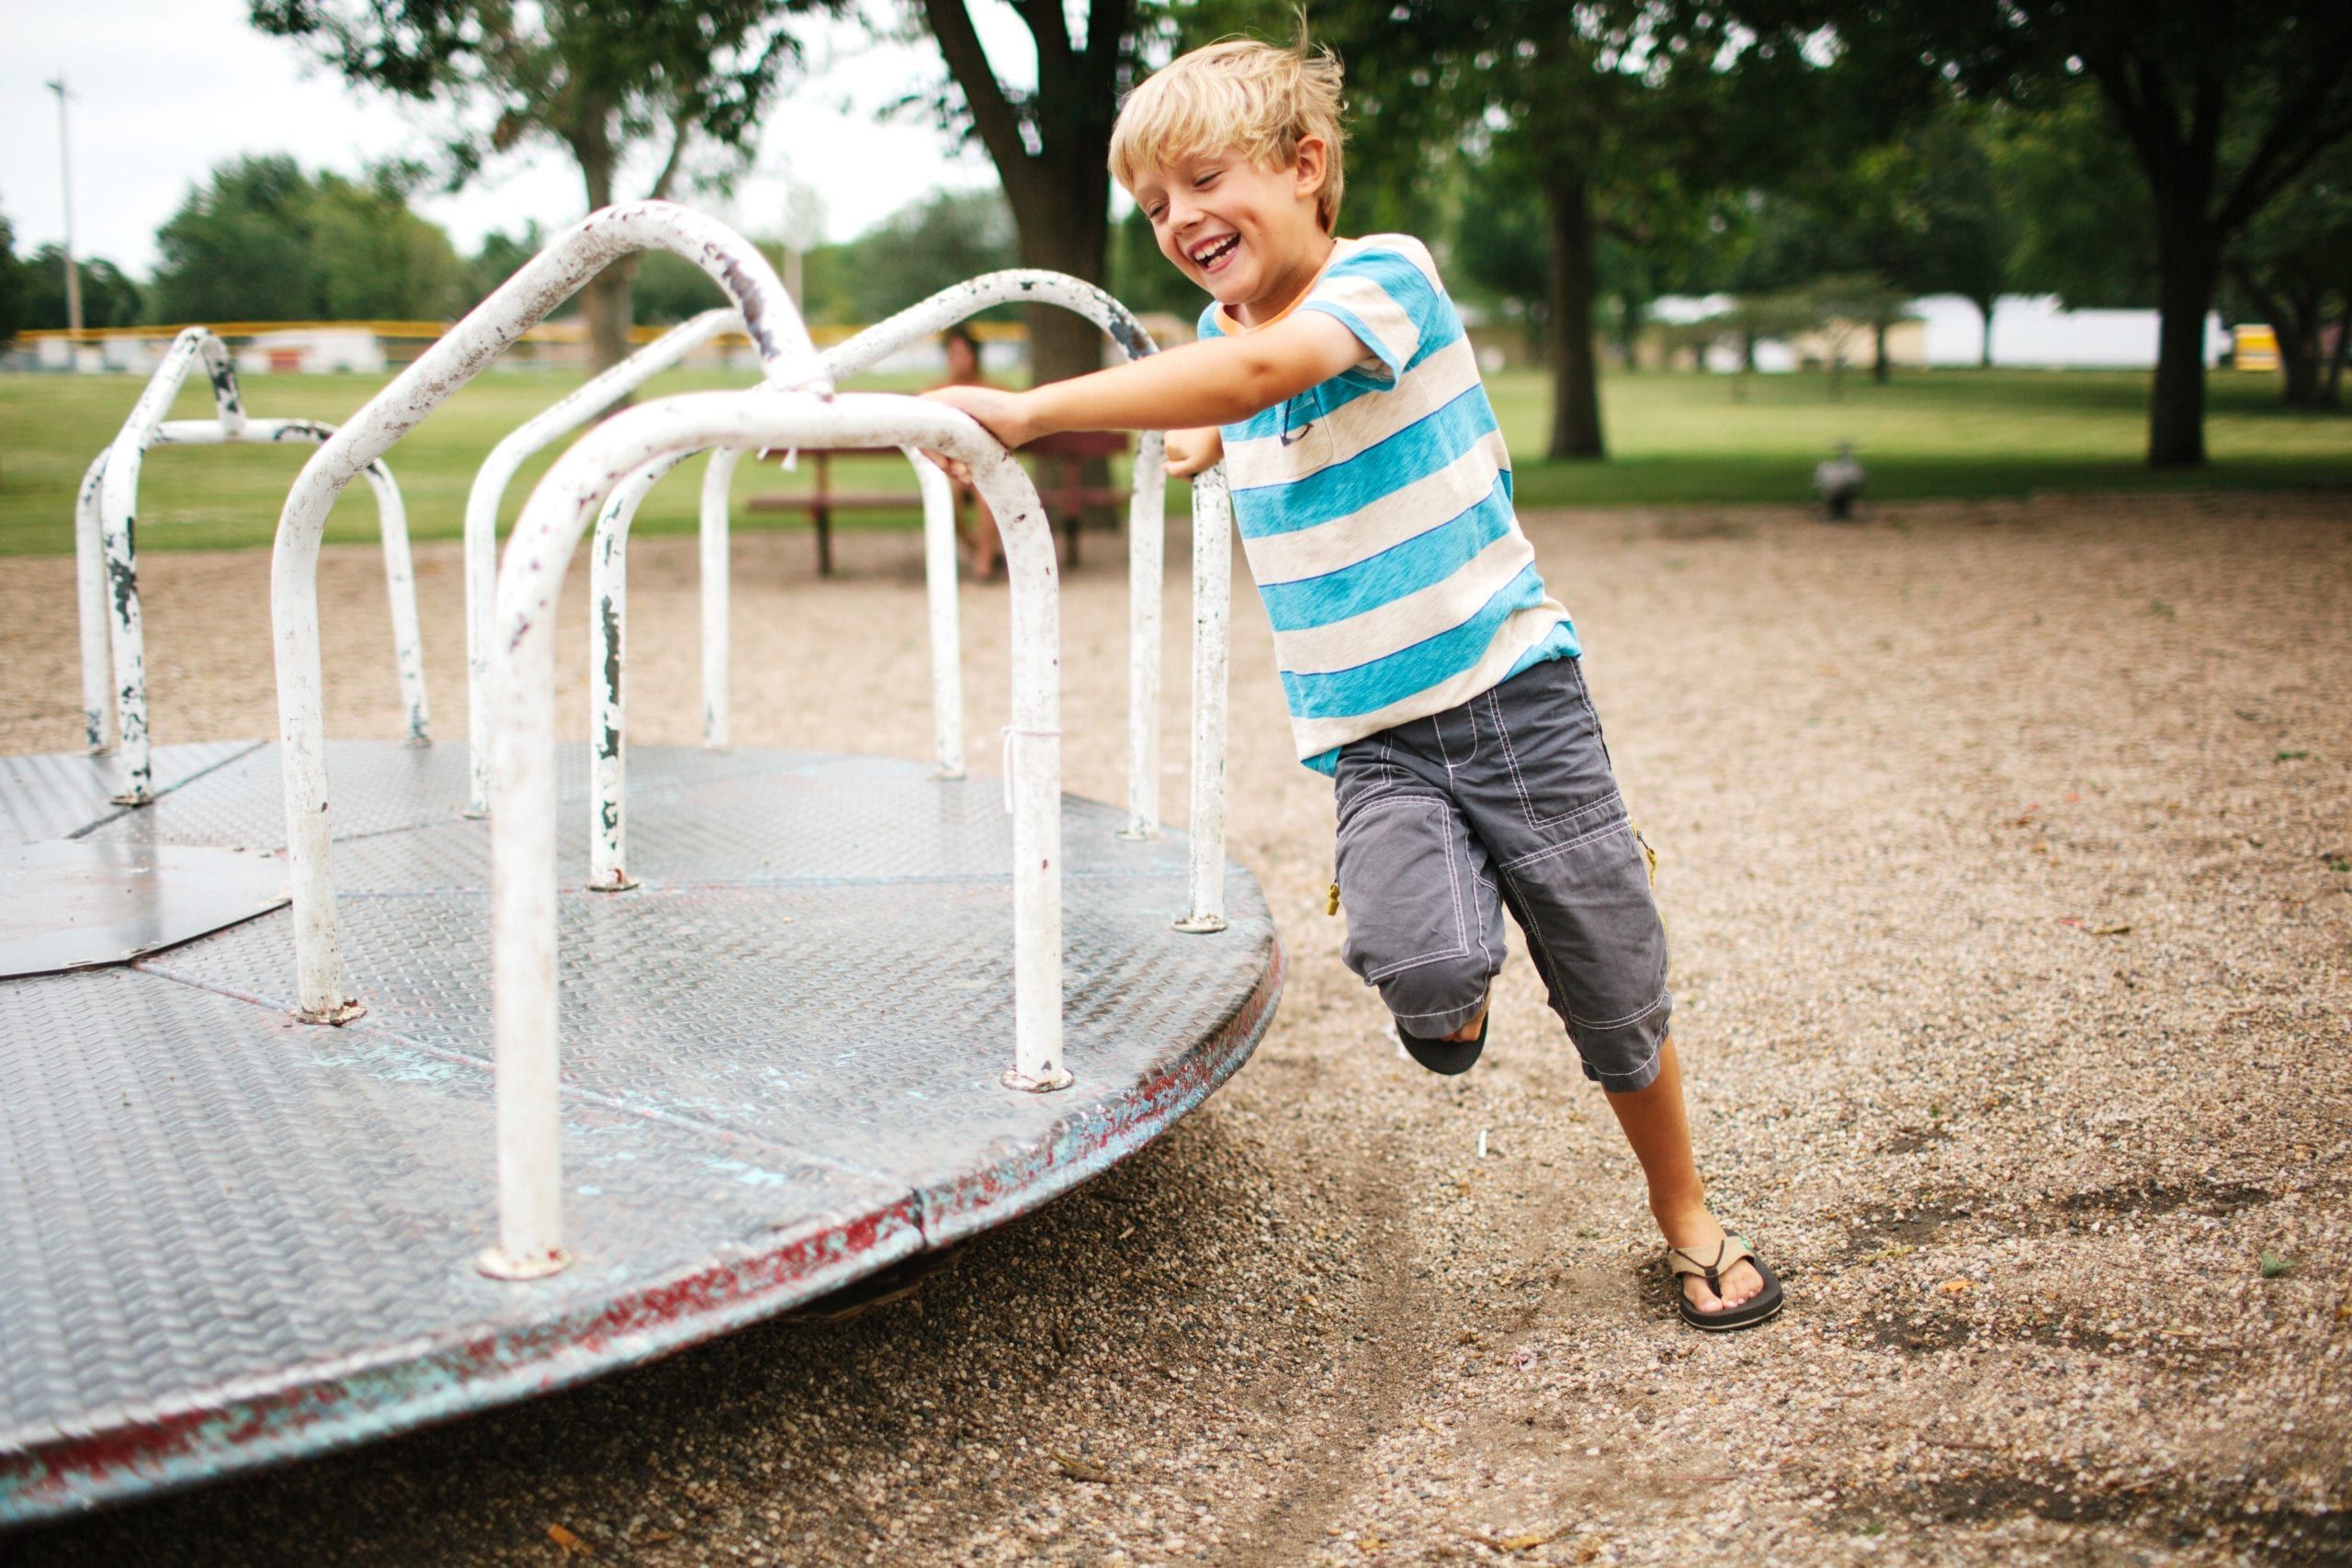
x=1384, y=295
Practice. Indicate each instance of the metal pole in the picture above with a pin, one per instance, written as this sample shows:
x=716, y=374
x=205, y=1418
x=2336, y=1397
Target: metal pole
x=65, y=186
x=947, y=631
x=1212, y=615
x=717, y=486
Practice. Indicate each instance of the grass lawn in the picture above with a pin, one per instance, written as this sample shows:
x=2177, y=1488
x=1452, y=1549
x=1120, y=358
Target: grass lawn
x=1676, y=439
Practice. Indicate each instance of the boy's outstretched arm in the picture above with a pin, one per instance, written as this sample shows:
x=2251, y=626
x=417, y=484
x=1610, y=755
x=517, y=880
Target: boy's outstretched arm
x=1215, y=382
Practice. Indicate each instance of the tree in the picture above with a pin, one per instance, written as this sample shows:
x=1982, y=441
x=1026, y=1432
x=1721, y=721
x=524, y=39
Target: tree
x=600, y=79
x=1624, y=116
x=12, y=286
x=109, y=298
x=929, y=246
x=2223, y=103
x=2292, y=263
x=263, y=242
x=1051, y=148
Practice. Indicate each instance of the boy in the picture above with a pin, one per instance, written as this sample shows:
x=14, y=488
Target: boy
x=1425, y=666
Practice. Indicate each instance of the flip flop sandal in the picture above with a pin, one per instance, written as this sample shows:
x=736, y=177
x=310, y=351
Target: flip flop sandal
x=1447, y=1056
x=1764, y=1303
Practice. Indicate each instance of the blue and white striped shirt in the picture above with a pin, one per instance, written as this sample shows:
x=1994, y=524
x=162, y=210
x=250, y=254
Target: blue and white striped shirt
x=1375, y=511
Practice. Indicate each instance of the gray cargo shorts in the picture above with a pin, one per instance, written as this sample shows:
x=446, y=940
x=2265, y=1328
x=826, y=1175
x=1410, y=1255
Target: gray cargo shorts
x=1505, y=802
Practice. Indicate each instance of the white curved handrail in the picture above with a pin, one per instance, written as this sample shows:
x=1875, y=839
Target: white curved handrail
x=1147, y=526
x=1147, y=510
x=608, y=641
x=788, y=362
x=113, y=630
x=522, y=782
x=564, y=415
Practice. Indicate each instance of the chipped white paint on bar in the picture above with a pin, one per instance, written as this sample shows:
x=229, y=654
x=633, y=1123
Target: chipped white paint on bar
x=608, y=634
x=1212, y=618
x=498, y=471
x=607, y=652
x=788, y=362
x=523, y=779
x=113, y=635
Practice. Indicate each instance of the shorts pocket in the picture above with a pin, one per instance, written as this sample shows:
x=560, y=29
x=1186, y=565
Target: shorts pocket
x=1553, y=758
x=1402, y=883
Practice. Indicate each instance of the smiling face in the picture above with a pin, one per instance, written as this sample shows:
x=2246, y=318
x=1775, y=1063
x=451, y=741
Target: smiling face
x=1248, y=235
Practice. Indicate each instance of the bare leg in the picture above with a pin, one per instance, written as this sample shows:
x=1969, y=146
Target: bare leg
x=1655, y=1126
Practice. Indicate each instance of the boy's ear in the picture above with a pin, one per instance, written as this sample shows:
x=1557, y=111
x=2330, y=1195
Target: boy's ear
x=1312, y=163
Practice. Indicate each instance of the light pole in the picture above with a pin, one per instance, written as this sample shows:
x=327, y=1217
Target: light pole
x=72, y=271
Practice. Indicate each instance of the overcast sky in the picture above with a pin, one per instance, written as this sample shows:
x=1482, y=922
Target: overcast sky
x=166, y=89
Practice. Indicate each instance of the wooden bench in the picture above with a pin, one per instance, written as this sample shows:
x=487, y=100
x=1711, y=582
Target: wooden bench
x=1066, y=494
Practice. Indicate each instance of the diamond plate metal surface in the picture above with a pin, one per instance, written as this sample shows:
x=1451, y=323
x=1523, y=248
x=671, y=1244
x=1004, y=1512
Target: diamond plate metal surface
x=227, y=1239
x=63, y=795
x=73, y=904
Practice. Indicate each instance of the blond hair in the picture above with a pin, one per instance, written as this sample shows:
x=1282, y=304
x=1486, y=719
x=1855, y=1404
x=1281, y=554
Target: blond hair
x=1237, y=95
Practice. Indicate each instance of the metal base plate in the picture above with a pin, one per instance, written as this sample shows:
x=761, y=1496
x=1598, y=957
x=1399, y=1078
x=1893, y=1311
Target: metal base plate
x=228, y=1239
x=76, y=905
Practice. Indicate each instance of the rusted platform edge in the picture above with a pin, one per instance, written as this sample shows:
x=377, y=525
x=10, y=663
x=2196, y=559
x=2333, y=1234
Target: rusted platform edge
x=319, y=1407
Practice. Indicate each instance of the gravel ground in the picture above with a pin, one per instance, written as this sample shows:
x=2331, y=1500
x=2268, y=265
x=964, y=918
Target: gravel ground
x=2008, y=861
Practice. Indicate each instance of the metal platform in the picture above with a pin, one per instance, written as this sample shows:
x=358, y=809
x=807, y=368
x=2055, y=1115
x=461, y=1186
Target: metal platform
x=227, y=1239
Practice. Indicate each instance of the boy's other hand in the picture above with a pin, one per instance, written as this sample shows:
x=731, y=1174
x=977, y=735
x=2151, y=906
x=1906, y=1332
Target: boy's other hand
x=1189, y=451
x=1005, y=416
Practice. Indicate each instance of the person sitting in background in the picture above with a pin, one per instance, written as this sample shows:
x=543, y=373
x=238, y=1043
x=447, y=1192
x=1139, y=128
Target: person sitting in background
x=975, y=524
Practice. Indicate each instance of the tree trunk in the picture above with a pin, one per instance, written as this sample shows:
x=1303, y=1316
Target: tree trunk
x=1576, y=380
x=1064, y=224
x=605, y=299
x=2337, y=349
x=1880, y=369
x=1985, y=308
x=2185, y=276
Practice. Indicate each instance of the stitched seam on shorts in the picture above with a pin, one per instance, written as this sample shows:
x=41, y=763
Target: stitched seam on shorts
x=1518, y=781
x=1551, y=850
x=1453, y=886
x=1634, y=1071
x=1433, y=1013
x=1445, y=754
x=1627, y=1021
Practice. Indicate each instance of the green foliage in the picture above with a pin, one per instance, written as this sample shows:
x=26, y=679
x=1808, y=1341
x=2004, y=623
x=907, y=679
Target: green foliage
x=926, y=246
x=12, y=285
x=500, y=256
x=2086, y=230
x=109, y=298
x=594, y=76
x=263, y=242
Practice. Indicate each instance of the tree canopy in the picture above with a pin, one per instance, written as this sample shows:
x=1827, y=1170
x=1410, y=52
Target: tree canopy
x=261, y=241
x=600, y=79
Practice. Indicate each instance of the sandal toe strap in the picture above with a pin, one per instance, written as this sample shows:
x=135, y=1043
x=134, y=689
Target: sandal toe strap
x=1731, y=1250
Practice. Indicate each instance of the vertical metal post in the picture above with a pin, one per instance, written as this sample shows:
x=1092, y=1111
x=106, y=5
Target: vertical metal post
x=607, y=676
x=1147, y=571
x=717, y=488
x=400, y=586
x=90, y=601
x=1212, y=618
x=947, y=631
x=568, y=412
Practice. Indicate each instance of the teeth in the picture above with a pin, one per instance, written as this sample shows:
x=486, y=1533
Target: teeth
x=1208, y=253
